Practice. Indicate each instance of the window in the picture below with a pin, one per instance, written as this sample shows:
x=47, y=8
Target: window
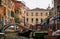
x=4, y=11
x=17, y=11
x=32, y=19
x=12, y=13
x=9, y=4
x=9, y=12
x=5, y=14
x=46, y=14
x=41, y=20
x=17, y=20
x=31, y=14
x=27, y=14
x=59, y=13
x=20, y=12
x=27, y=19
x=36, y=14
x=41, y=14
x=4, y=1
x=0, y=2
x=36, y=20
x=58, y=8
x=0, y=18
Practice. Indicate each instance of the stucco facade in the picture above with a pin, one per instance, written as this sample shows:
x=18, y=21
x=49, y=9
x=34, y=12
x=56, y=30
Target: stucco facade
x=35, y=16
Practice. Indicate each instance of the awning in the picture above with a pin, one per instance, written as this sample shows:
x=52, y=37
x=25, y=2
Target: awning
x=55, y=18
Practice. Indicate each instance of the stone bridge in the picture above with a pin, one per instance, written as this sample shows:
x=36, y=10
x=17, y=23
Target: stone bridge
x=21, y=26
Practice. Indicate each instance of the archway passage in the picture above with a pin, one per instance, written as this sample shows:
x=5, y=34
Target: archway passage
x=20, y=26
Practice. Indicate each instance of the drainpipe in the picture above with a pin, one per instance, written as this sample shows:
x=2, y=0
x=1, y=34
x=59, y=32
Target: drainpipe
x=2, y=25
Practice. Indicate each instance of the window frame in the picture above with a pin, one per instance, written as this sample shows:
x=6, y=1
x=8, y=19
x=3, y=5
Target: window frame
x=46, y=14
x=36, y=20
x=32, y=14
x=32, y=20
x=9, y=12
x=17, y=11
x=27, y=13
x=41, y=14
x=27, y=19
x=36, y=14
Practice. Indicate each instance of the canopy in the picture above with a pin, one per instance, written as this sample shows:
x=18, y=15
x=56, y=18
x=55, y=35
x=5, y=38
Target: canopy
x=55, y=18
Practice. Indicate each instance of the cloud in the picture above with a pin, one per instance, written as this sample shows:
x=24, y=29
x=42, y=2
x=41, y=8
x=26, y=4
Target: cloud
x=37, y=3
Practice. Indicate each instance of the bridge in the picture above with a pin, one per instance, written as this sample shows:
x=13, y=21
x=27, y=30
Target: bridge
x=21, y=26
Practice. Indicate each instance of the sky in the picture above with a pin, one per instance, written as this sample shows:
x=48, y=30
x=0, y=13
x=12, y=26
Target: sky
x=38, y=3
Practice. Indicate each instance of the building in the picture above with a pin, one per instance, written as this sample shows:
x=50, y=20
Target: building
x=54, y=24
x=57, y=13
x=54, y=12
x=57, y=7
x=9, y=11
x=20, y=9
x=13, y=9
x=35, y=16
x=2, y=15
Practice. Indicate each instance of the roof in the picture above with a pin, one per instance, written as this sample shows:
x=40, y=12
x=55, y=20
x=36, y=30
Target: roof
x=17, y=3
x=38, y=9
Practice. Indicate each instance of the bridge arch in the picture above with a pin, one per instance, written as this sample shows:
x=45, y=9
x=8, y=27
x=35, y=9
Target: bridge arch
x=20, y=26
x=8, y=25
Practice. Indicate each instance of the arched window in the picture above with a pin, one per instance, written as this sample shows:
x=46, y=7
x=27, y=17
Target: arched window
x=36, y=20
x=41, y=14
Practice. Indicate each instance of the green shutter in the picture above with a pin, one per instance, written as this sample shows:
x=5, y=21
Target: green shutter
x=12, y=14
